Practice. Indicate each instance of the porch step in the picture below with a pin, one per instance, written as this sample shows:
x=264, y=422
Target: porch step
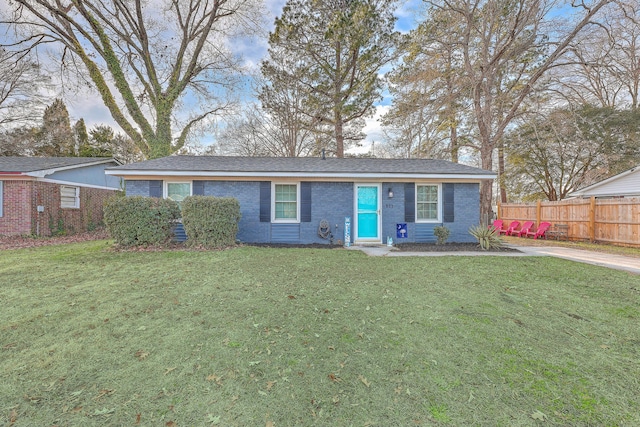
x=179, y=235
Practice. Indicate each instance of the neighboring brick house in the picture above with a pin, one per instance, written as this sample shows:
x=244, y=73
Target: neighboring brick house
x=53, y=195
x=291, y=200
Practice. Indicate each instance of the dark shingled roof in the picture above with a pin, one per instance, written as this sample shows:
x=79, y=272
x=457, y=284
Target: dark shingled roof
x=32, y=164
x=301, y=165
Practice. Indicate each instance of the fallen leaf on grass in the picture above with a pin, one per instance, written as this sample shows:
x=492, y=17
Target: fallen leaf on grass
x=537, y=415
x=270, y=424
x=171, y=424
x=103, y=392
x=270, y=384
x=141, y=354
x=364, y=381
x=138, y=417
x=334, y=378
x=13, y=416
x=169, y=370
x=214, y=377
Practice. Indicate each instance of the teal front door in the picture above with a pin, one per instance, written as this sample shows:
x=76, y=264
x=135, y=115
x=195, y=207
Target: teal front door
x=367, y=213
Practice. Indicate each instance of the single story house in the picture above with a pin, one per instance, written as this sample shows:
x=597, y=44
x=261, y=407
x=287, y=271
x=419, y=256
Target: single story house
x=308, y=200
x=53, y=195
x=625, y=184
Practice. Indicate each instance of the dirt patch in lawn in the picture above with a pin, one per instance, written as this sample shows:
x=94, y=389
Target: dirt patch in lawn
x=448, y=247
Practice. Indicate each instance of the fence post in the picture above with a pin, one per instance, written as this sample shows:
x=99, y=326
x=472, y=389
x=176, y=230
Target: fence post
x=499, y=213
x=592, y=219
x=538, y=212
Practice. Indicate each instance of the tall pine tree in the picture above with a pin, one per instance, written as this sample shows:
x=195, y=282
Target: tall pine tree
x=335, y=51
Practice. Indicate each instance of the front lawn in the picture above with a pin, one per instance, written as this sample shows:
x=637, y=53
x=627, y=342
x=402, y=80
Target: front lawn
x=294, y=337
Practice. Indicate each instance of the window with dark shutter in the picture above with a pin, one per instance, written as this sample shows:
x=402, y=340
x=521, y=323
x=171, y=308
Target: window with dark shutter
x=305, y=202
x=155, y=188
x=197, y=188
x=448, y=194
x=409, y=202
x=265, y=201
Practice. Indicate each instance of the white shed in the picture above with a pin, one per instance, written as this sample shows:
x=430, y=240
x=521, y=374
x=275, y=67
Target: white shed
x=625, y=184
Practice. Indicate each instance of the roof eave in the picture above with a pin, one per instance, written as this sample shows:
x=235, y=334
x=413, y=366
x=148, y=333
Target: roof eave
x=333, y=175
x=44, y=172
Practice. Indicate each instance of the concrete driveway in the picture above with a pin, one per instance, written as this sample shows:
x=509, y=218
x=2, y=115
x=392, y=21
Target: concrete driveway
x=617, y=262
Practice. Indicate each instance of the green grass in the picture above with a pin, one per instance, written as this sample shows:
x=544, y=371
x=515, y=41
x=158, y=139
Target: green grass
x=289, y=337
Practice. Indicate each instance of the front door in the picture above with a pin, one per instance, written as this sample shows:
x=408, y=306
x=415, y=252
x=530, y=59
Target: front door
x=367, y=213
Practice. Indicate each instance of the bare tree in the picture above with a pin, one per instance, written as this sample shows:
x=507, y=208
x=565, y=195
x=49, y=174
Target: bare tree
x=603, y=65
x=147, y=60
x=21, y=88
x=506, y=47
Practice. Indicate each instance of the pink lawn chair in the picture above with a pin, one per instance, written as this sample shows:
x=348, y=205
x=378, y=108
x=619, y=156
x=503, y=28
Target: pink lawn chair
x=541, y=231
x=511, y=229
x=497, y=225
x=526, y=228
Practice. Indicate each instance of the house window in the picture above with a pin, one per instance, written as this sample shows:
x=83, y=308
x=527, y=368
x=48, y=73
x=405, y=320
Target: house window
x=1, y=197
x=427, y=199
x=285, y=202
x=69, y=197
x=177, y=191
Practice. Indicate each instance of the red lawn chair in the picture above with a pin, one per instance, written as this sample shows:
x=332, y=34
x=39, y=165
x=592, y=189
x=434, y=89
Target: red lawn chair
x=526, y=228
x=497, y=225
x=511, y=229
x=541, y=231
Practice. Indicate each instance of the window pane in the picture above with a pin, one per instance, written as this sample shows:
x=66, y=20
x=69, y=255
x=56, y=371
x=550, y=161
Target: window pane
x=286, y=201
x=286, y=193
x=69, y=197
x=427, y=202
x=178, y=191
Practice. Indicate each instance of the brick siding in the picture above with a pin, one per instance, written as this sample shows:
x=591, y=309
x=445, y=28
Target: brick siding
x=20, y=216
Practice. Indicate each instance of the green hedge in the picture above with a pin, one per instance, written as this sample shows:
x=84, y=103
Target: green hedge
x=211, y=222
x=134, y=221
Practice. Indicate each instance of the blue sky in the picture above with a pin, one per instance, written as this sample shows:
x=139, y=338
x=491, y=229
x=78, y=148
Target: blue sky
x=92, y=110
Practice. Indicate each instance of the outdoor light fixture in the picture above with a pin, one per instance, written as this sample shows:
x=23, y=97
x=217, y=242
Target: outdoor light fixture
x=390, y=193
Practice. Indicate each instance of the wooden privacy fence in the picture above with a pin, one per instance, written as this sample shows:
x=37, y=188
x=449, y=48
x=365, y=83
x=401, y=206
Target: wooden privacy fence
x=614, y=221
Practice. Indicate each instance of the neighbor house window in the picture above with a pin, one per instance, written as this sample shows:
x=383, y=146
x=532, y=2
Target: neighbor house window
x=177, y=191
x=1, y=197
x=427, y=197
x=69, y=197
x=285, y=202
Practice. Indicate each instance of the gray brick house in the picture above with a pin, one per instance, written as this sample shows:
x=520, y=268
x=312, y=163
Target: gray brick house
x=285, y=200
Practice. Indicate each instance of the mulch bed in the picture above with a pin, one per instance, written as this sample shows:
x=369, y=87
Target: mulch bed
x=21, y=242
x=448, y=247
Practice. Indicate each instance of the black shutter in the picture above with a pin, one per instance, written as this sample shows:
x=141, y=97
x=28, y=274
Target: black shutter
x=197, y=188
x=305, y=202
x=447, y=202
x=265, y=201
x=409, y=202
x=155, y=188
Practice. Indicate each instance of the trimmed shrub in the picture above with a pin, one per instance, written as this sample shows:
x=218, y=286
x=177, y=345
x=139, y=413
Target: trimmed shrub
x=137, y=220
x=442, y=233
x=211, y=222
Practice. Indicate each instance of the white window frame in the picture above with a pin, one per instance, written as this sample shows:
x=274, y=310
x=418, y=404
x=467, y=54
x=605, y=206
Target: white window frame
x=439, y=204
x=165, y=189
x=273, y=204
x=76, y=197
x=1, y=198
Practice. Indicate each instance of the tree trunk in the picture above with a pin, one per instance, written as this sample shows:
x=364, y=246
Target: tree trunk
x=339, y=135
x=486, y=187
x=501, y=185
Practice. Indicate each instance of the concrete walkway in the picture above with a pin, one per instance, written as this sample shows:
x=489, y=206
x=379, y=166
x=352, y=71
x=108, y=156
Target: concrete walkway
x=618, y=262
